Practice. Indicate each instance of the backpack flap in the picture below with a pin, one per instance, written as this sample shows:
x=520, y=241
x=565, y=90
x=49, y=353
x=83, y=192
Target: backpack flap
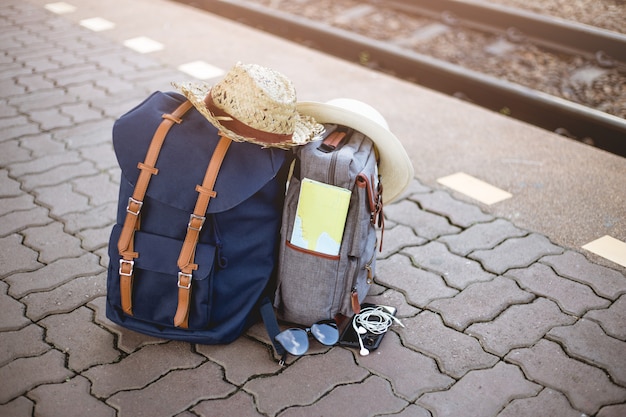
x=246, y=169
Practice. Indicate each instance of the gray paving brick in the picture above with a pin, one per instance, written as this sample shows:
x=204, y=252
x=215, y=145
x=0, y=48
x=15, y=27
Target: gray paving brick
x=141, y=368
x=42, y=145
x=11, y=152
x=52, y=242
x=393, y=298
x=40, y=100
x=480, y=393
x=516, y=253
x=241, y=360
x=91, y=218
x=22, y=343
x=411, y=373
x=585, y=340
x=14, y=257
x=573, y=298
x=88, y=92
x=58, y=175
x=368, y=398
x=34, y=82
x=61, y=199
x=612, y=319
x=321, y=372
x=587, y=388
x=458, y=272
x=68, y=399
x=455, y=352
x=418, y=286
x=481, y=236
x=41, y=65
x=101, y=155
x=27, y=373
x=20, y=220
x=50, y=118
x=114, y=85
x=618, y=410
x=9, y=88
x=22, y=201
x=240, y=404
x=605, y=281
x=424, y=224
x=127, y=340
x=93, y=239
x=547, y=403
x=68, y=59
x=411, y=411
x=8, y=188
x=12, y=317
x=98, y=188
x=83, y=73
x=396, y=238
x=19, y=407
x=86, y=343
x=64, y=298
x=519, y=326
x=44, y=163
x=458, y=212
x=81, y=112
x=18, y=131
x=479, y=302
x=184, y=388
x=86, y=134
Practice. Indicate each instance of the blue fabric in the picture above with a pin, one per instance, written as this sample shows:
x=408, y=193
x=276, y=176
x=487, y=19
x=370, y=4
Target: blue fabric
x=238, y=247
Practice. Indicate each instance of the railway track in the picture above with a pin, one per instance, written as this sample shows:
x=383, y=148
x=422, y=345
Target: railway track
x=426, y=42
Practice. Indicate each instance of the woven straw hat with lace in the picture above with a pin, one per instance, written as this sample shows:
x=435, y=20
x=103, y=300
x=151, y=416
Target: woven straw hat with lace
x=253, y=104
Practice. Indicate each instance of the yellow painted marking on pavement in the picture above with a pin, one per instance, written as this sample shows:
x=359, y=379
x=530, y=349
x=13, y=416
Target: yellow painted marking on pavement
x=97, y=24
x=609, y=248
x=474, y=188
x=143, y=45
x=60, y=7
x=201, y=70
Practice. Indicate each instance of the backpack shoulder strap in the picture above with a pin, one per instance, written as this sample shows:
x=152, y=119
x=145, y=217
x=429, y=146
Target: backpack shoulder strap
x=196, y=221
x=125, y=243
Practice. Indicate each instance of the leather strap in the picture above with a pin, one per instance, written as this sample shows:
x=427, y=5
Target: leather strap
x=125, y=244
x=196, y=221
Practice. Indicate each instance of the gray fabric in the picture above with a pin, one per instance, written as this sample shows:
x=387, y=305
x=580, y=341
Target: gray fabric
x=310, y=287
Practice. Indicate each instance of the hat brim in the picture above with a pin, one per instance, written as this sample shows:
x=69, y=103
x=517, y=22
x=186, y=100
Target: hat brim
x=395, y=167
x=306, y=129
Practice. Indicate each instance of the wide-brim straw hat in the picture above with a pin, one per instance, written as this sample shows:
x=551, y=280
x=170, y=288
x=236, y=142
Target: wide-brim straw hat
x=253, y=104
x=395, y=167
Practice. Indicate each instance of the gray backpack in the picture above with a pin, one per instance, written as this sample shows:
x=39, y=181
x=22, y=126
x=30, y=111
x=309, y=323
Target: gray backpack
x=314, y=285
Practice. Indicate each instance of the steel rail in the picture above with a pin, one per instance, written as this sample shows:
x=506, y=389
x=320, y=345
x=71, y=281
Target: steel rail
x=552, y=113
x=550, y=32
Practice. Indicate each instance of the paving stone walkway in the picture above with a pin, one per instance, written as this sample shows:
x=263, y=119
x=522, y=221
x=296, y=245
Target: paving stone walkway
x=499, y=321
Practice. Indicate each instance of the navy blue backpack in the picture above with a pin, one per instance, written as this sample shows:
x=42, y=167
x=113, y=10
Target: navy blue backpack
x=194, y=250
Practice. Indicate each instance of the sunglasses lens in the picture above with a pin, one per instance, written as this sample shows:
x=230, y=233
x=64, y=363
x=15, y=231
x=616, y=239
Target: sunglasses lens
x=325, y=333
x=295, y=341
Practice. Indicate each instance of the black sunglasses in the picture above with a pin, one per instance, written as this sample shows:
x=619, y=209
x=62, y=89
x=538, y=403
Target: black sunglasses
x=296, y=341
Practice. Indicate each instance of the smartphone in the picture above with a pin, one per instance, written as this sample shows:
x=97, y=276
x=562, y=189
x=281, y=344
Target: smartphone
x=371, y=341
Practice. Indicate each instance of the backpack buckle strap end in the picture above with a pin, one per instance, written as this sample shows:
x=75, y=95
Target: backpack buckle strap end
x=126, y=285
x=196, y=222
x=181, y=318
x=134, y=206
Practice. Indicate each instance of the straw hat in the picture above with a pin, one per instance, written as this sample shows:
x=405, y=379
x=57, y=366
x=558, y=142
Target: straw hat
x=253, y=104
x=395, y=167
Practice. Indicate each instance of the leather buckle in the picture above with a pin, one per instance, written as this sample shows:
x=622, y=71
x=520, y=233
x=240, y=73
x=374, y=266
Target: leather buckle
x=137, y=202
x=194, y=217
x=126, y=262
x=180, y=275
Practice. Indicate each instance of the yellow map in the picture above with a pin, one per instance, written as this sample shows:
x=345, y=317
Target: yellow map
x=320, y=217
